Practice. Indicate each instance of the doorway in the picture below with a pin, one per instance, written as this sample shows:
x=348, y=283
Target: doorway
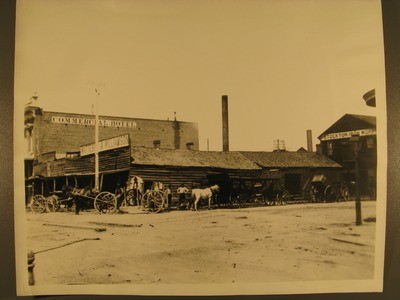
x=293, y=183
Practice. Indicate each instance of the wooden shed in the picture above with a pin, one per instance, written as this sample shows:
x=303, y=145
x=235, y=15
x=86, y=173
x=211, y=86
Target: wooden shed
x=295, y=168
x=191, y=168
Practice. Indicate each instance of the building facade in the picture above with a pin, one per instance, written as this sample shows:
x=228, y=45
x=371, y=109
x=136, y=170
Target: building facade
x=338, y=143
x=64, y=133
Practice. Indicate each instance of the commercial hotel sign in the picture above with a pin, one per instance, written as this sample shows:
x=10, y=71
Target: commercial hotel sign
x=92, y=122
x=348, y=134
x=104, y=145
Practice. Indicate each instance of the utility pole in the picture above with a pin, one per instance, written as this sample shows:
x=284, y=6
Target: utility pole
x=96, y=143
x=357, y=145
x=97, y=86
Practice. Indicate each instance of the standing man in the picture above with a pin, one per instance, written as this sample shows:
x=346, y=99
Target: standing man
x=168, y=193
x=182, y=195
x=120, y=196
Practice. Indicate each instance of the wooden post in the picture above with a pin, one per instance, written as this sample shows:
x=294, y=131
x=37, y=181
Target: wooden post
x=101, y=182
x=31, y=265
x=96, y=147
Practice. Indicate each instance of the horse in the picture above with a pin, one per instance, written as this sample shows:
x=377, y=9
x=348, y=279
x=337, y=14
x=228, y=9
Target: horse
x=80, y=196
x=66, y=194
x=206, y=194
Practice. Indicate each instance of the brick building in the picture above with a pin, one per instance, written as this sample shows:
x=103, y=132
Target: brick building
x=64, y=133
x=337, y=144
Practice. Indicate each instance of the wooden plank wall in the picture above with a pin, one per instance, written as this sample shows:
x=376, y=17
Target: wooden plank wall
x=174, y=177
x=111, y=160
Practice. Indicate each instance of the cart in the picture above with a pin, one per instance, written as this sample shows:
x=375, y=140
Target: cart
x=40, y=204
x=104, y=202
x=155, y=199
x=266, y=192
x=322, y=191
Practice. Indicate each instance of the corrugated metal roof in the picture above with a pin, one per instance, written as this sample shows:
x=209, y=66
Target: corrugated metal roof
x=192, y=158
x=288, y=159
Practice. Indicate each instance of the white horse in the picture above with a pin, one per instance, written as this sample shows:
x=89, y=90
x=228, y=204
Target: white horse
x=206, y=194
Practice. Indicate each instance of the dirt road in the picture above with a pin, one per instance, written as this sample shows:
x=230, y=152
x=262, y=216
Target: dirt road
x=266, y=244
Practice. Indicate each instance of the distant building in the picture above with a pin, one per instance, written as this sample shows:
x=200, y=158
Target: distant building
x=336, y=144
x=294, y=169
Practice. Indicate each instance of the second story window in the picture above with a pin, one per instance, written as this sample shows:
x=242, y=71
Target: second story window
x=370, y=143
x=329, y=148
x=157, y=144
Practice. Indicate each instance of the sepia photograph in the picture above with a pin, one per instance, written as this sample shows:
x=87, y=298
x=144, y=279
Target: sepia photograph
x=199, y=147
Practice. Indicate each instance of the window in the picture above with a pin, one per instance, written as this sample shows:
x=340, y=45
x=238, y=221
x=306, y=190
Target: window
x=370, y=143
x=157, y=144
x=72, y=154
x=189, y=146
x=329, y=148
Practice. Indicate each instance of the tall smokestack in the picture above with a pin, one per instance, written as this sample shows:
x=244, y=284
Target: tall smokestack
x=309, y=141
x=225, y=124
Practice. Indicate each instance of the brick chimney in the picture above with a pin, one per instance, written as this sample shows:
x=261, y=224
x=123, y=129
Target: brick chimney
x=225, y=124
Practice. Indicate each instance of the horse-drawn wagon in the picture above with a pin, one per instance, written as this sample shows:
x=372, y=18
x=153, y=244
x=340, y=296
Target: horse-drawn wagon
x=268, y=191
x=321, y=190
x=103, y=202
x=155, y=199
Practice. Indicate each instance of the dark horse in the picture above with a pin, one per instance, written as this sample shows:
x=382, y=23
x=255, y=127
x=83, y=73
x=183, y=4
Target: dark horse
x=79, y=196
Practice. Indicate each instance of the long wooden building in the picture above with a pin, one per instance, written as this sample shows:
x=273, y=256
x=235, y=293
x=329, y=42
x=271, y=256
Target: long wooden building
x=119, y=162
x=192, y=168
x=295, y=169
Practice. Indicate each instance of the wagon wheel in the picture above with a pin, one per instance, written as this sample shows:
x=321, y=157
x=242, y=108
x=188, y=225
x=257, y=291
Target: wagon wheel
x=283, y=197
x=153, y=201
x=133, y=197
x=331, y=193
x=105, y=202
x=234, y=201
x=345, y=193
x=53, y=203
x=145, y=199
x=38, y=204
x=129, y=197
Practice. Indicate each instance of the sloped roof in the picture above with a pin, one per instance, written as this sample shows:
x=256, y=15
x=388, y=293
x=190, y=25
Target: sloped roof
x=351, y=122
x=191, y=158
x=288, y=159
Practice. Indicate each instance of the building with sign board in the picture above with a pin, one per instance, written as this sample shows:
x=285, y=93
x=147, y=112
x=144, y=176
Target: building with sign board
x=77, y=169
x=65, y=133
x=337, y=143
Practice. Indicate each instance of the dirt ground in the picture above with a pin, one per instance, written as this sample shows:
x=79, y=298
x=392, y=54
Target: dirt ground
x=265, y=244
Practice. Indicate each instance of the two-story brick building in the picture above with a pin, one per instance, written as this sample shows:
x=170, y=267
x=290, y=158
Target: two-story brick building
x=337, y=143
x=63, y=133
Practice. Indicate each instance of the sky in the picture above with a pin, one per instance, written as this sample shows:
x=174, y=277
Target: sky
x=286, y=66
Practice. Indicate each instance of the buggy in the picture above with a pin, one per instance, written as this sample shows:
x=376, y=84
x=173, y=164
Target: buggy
x=321, y=191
